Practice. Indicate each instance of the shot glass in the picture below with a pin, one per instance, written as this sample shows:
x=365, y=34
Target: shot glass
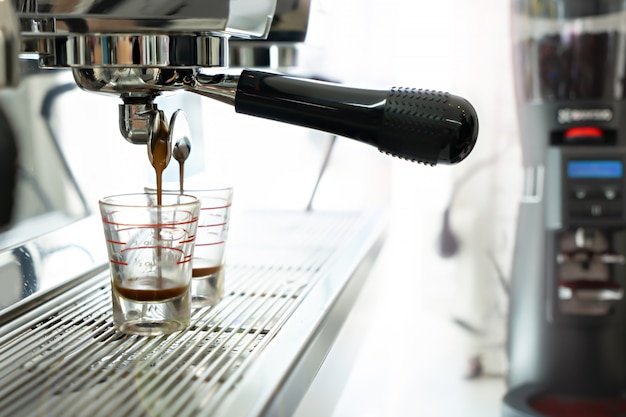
x=207, y=283
x=150, y=248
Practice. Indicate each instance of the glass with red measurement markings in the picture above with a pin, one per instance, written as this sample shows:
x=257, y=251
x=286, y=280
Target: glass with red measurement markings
x=207, y=284
x=150, y=249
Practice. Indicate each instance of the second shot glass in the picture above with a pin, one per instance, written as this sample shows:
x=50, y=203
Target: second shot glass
x=208, y=272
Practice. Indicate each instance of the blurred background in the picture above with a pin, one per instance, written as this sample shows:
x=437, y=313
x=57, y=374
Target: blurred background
x=428, y=333
x=427, y=336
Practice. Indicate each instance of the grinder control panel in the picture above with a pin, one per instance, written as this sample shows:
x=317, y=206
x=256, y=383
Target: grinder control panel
x=593, y=189
x=593, y=183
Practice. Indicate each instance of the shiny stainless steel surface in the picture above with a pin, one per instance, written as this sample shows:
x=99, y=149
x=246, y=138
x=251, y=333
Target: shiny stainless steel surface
x=290, y=280
x=180, y=137
x=136, y=119
x=138, y=83
x=140, y=48
x=47, y=192
x=139, y=87
x=248, y=18
x=86, y=33
x=291, y=20
x=281, y=48
x=137, y=50
x=46, y=264
x=9, y=45
x=158, y=34
x=260, y=54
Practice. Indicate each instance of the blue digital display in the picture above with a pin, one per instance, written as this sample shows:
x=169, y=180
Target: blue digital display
x=595, y=169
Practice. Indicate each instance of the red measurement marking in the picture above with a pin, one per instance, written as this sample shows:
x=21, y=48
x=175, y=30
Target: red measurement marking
x=131, y=226
x=115, y=242
x=185, y=260
x=189, y=240
x=210, y=244
x=119, y=263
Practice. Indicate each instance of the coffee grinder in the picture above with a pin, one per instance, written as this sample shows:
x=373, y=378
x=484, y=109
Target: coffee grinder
x=567, y=325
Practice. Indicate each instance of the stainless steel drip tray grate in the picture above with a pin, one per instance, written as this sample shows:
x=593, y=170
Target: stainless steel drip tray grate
x=64, y=357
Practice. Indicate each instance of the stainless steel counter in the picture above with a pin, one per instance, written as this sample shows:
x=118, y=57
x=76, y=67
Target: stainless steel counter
x=291, y=280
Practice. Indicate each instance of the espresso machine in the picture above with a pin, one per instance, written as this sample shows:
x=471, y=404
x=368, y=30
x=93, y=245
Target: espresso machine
x=567, y=314
x=291, y=277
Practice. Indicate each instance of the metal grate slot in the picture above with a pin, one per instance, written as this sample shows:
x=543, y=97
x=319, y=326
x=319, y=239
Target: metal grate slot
x=70, y=360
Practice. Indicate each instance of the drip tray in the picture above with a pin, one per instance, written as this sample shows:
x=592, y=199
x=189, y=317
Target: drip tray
x=290, y=281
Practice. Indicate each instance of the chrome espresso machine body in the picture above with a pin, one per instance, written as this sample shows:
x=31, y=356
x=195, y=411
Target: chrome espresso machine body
x=567, y=327
x=291, y=276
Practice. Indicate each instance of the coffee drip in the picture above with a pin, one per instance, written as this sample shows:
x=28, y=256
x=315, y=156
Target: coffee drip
x=164, y=144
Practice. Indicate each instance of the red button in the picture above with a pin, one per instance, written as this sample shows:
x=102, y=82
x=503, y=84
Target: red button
x=584, y=132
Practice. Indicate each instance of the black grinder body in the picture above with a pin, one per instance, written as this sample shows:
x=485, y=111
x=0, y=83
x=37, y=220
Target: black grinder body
x=567, y=317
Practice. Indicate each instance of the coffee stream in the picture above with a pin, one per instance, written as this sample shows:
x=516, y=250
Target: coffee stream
x=143, y=290
x=181, y=173
x=161, y=154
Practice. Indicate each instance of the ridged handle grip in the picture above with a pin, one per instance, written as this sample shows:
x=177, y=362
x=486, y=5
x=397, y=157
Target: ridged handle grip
x=418, y=125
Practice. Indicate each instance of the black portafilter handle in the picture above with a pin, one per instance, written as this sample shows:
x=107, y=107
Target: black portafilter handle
x=419, y=125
